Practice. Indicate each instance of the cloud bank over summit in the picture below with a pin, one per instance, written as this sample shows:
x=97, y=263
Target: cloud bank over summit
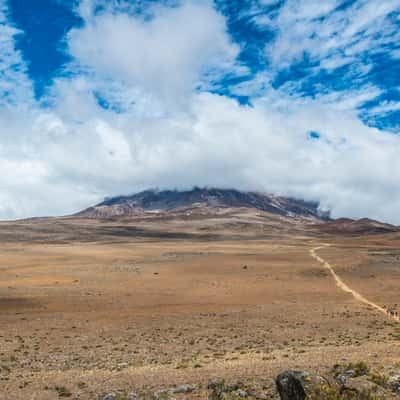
x=278, y=96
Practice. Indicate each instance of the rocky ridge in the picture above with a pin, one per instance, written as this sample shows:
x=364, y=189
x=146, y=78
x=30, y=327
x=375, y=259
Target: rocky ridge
x=155, y=201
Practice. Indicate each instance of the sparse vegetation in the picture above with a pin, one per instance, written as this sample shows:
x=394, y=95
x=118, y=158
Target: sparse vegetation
x=91, y=315
x=379, y=379
x=63, y=391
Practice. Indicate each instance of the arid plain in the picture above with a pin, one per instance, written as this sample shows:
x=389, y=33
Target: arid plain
x=90, y=306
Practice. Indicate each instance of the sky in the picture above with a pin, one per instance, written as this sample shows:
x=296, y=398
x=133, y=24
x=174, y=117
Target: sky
x=295, y=97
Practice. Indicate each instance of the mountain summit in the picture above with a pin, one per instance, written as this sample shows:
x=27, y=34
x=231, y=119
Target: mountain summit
x=172, y=200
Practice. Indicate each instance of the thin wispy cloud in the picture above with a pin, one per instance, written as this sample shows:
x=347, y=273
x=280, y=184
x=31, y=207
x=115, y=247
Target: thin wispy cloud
x=14, y=84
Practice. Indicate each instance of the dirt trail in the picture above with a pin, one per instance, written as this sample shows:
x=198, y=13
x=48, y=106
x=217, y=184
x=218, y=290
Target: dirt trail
x=340, y=284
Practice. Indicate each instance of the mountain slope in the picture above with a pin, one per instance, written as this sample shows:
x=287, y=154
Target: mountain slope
x=356, y=227
x=169, y=200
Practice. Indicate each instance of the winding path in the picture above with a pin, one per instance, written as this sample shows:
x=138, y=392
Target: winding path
x=341, y=285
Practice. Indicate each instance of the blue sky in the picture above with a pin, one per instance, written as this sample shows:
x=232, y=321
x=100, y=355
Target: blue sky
x=253, y=25
x=292, y=96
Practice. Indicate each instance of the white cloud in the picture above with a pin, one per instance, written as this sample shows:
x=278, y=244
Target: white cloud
x=163, y=57
x=64, y=158
x=349, y=32
x=14, y=85
x=385, y=107
x=217, y=143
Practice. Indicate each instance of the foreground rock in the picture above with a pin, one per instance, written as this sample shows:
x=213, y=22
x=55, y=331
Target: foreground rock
x=354, y=381
x=393, y=382
x=349, y=382
x=362, y=388
x=299, y=385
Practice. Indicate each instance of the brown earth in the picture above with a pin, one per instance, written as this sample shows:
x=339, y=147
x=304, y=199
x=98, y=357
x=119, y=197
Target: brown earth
x=88, y=307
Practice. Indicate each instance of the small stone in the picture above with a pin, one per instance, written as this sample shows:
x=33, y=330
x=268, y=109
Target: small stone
x=241, y=393
x=215, y=384
x=110, y=396
x=163, y=395
x=184, y=389
x=342, y=378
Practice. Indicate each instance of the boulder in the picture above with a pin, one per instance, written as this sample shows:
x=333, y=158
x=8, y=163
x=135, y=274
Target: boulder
x=361, y=388
x=298, y=385
x=393, y=383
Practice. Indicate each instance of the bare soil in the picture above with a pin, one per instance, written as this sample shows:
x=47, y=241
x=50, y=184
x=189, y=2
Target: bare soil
x=93, y=307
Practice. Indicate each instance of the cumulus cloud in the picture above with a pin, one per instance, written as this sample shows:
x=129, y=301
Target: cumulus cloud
x=162, y=131
x=163, y=55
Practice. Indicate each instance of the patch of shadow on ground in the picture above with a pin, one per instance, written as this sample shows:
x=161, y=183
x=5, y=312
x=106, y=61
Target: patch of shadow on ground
x=15, y=304
x=314, y=273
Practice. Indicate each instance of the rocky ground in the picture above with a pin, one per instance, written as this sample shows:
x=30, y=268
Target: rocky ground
x=126, y=315
x=347, y=382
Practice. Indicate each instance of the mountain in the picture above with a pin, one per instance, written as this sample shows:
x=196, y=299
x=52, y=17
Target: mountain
x=356, y=227
x=155, y=201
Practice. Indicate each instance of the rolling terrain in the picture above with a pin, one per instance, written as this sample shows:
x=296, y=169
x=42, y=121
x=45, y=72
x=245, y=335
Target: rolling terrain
x=146, y=292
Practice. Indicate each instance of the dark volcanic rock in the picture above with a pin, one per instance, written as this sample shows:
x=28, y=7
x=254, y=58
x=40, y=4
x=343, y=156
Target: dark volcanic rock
x=168, y=200
x=298, y=385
